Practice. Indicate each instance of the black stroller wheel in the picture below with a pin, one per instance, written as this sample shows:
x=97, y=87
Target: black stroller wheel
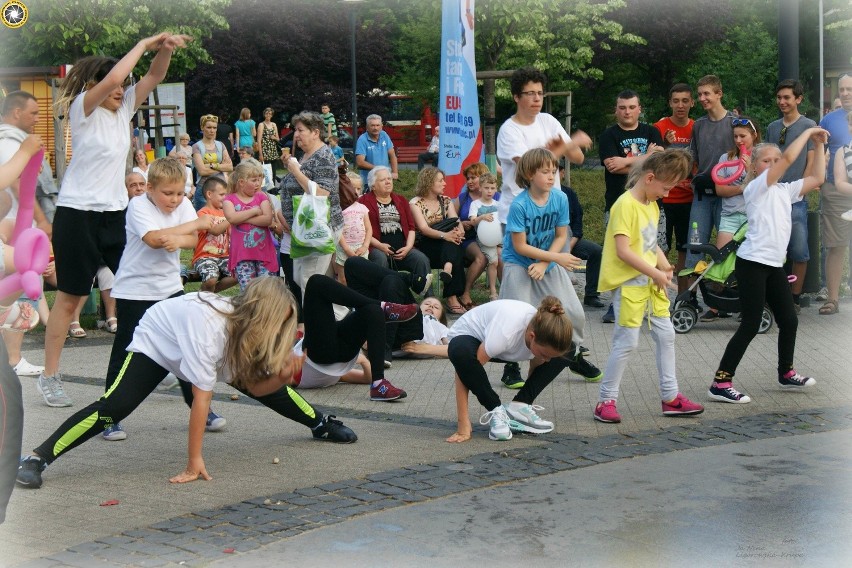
x=684, y=318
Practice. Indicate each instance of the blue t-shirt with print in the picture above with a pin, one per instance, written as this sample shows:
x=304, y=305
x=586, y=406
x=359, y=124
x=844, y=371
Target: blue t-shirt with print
x=375, y=152
x=539, y=222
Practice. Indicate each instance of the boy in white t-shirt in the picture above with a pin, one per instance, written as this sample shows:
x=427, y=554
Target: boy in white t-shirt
x=158, y=225
x=481, y=210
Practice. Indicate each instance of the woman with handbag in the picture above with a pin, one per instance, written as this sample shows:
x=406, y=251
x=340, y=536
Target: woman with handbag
x=317, y=165
x=442, y=234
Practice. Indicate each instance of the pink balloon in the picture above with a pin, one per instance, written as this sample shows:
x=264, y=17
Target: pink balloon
x=32, y=247
x=738, y=164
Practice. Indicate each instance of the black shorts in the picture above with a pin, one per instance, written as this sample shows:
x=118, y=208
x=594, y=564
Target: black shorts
x=82, y=241
x=677, y=222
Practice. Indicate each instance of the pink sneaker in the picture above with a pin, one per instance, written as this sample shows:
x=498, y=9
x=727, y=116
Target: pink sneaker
x=605, y=412
x=396, y=313
x=681, y=406
x=20, y=316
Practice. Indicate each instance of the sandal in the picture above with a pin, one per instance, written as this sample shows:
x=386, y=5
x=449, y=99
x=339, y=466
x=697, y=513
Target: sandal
x=76, y=331
x=458, y=309
x=111, y=324
x=469, y=305
x=20, y=317
x=829, y=308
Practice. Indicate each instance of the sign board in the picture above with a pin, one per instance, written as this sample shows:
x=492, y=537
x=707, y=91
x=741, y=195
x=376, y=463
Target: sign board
x=170, y=94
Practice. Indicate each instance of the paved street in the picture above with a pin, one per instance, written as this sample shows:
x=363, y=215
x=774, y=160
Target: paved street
x=765, y=483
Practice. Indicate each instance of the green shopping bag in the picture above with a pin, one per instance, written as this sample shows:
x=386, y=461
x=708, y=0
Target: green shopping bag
x=311, y=232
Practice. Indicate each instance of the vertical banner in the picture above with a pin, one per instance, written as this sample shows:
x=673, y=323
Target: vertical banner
x=460, y=132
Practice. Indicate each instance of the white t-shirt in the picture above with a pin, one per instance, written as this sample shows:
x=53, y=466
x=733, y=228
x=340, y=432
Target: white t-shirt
x=769, y=220
x=316, y=376
x=94, y=180
x=10, y=143
x=500, y=326
x=190, y=184
x=138, y=170
x=147, y=273
x=186, y=336
x=477, y=204
x=513, y=141
x=434, y=332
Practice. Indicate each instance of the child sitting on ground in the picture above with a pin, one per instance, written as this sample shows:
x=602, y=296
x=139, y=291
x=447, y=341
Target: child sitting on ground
x=485, y=209
x=211, y=253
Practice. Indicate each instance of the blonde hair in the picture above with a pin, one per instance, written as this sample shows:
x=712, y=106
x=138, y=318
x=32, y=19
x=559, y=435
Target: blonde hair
x=246, y=169
x=426, y=180
x=551, y=326
x=260, y=331
x=672, y=165
x=487, y=177
x=532, y=161
x=85, y=73
x=756, y=152
x=166, y=170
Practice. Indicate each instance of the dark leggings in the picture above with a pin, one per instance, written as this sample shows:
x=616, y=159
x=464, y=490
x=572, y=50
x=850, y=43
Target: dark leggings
x=759, y=284
x=11, y=427
x=287, y=266
x=129, y=313
x=330, y=341
x=381, y=283
x=138, y=378
x=439, y=252
x=462, y=353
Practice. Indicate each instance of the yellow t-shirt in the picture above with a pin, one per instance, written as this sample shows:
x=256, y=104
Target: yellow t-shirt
x=639, y=223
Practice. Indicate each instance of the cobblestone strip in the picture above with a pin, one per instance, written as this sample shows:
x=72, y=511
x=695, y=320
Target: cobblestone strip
x=204, y=536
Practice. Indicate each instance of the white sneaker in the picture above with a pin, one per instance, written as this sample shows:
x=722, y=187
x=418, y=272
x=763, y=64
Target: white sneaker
x=168, y=383
x=26, y=369
x=525, y=419
x=822, y=295
x=847, y=216
x=499, y=424
x=52, y=390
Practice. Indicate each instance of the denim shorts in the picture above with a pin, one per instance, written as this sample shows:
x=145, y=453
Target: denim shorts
x=797, y=250
x=732, y=223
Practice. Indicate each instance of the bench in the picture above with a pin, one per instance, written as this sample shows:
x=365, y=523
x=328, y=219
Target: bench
x=408, y=154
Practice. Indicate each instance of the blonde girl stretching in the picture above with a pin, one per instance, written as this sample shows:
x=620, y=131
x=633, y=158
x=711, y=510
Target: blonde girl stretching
x=249, y=212
x=99, y=102
x=202, y=338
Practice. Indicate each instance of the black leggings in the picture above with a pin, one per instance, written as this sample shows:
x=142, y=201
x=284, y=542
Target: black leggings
x=138, y=378
x=330, y=341
x=381, y=283
x=129, y=314
x=439, y=252
x=759, y=284
x=287, y=267
x=462, y=353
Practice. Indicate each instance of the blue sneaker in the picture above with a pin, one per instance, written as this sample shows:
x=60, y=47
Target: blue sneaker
x=114, y=433
x=215, y=422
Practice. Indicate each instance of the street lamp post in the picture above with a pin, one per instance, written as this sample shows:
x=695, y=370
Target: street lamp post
x=353, y=8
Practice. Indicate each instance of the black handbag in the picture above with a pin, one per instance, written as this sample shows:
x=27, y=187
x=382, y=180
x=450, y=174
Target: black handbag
x=444, y=225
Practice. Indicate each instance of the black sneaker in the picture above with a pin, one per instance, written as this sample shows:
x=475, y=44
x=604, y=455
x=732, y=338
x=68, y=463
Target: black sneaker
x=420, y=284
x=709, y=316
x=29, y=472
x=593, y=302
x=579, y=365
x=609, y=316
x=333, y=430
x=512, y=376
x=792, y=380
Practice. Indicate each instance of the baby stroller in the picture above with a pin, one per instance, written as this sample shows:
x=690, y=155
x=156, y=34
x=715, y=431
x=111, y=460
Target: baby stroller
x=717, y=283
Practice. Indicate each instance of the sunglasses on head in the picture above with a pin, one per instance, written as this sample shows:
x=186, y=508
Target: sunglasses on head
x=211, y=117
x=743, y=122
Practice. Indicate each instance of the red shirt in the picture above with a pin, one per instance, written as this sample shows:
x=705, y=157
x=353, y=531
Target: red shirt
x=682, y=192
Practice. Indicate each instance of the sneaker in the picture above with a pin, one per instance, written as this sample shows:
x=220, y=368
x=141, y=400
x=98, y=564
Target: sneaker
x=593, y=302
x=725, y=392
x=169, y=383
x=215, y=422
x=52, y=391
x=420, y=284
x=525, y=419
x=847, y=216
x=822, y=295
x=792, y=380
x=609, y=316
x=605, y=412
x=709, y=316
x=26, y=369
x=397, y=313
x=386, y=392
x=681, y=406
x=333, y=430
x=114, y=433
x=512, y=376
x=29, y=471
x=579, y=365
x=498, y=422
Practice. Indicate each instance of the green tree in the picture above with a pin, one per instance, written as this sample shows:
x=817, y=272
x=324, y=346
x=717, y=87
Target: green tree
x=62, y=32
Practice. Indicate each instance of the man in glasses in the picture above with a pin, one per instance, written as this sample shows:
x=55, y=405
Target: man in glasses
x=835, y=232
x=621, y=145
x=788, y=96
x=711, y=137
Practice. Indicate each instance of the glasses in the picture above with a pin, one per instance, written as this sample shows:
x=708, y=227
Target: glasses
x=533, y=94
x=782, y=139
x=743, y=122
x=210, y=117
